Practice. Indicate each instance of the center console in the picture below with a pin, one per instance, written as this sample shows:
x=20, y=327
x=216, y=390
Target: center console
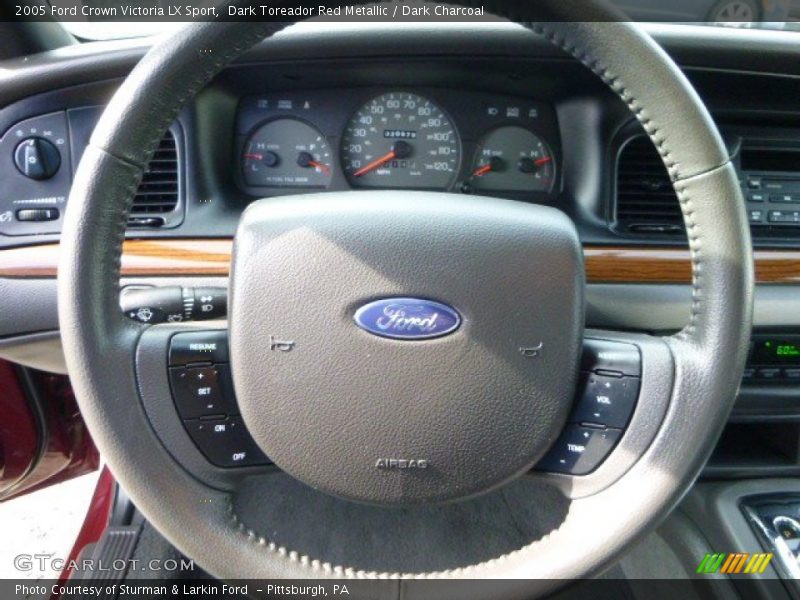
x=775, y=519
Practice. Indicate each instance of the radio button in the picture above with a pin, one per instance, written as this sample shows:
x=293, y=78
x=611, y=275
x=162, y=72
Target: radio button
x=756, y=197
x=785, y=198
x=783, y=216
x=792, y=374
x=768, y=374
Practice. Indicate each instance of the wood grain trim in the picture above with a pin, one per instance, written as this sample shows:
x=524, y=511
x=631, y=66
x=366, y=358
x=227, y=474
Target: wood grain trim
x=139, y=258
x=673, y=265
x=604, y=264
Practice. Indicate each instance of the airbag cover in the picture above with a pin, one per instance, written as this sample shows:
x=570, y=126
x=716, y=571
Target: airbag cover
x=403, y=420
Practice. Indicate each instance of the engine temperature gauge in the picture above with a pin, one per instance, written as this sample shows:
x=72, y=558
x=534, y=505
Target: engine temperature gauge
x=286, y=153
x=513, y=159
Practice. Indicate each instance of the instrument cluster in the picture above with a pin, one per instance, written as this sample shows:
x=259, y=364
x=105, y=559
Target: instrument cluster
x=420, y=139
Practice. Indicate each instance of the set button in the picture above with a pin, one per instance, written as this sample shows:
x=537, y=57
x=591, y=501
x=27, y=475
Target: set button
x=198, y=392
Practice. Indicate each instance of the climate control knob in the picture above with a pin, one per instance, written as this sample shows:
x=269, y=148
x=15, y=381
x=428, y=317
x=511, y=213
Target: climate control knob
x=37, y=158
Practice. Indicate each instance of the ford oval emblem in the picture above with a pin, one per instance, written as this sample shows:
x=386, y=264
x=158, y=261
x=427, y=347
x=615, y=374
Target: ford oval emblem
x=407, y=318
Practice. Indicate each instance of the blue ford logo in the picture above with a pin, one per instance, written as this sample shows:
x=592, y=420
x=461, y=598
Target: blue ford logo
x=407, y=318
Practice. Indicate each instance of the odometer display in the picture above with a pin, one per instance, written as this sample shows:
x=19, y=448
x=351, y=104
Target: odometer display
x=400, y=140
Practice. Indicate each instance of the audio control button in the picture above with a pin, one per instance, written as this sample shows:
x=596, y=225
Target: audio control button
x=579, y=450
x=604, y=400
x=618, y=357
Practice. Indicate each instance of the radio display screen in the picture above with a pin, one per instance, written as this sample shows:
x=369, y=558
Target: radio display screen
x=777, y=351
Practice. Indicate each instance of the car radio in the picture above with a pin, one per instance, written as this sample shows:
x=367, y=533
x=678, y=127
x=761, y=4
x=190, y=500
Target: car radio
x=770, y=174
x=774, y=358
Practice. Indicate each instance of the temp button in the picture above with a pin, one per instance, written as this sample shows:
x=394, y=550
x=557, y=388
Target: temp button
x=579, y=450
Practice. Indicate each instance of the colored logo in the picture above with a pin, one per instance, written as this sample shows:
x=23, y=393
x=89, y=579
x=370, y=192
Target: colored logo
x=407, y=318
x=736, y=562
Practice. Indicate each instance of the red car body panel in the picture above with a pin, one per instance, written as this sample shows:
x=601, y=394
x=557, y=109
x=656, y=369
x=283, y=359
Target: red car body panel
x=43, y=439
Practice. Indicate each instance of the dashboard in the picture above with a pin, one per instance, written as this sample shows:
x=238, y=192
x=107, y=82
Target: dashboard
x=406, y=138
x=321, y=111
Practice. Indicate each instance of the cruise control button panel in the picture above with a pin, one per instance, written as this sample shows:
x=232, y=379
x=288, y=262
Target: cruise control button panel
x=202, y=390
x=608, y=390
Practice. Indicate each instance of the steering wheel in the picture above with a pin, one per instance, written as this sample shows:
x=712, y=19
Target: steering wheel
x=408, y=458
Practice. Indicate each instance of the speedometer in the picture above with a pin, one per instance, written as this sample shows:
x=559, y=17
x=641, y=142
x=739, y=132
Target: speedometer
x=400, y=140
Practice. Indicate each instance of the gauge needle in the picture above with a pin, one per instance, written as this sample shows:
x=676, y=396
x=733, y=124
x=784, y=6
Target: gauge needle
x=542, y=161
x=375, y=164
x=306, y=159
x=495, y=164
x=254, y=156
x=483, y=171
x=324, y=168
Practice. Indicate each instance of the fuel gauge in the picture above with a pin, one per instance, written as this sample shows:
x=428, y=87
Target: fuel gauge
x=513, y=159
x=286, y=153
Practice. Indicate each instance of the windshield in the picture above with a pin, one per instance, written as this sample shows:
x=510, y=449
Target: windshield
x=116, y=19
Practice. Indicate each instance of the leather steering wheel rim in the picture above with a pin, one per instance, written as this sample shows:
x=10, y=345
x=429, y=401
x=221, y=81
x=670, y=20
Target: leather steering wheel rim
x=708, y=355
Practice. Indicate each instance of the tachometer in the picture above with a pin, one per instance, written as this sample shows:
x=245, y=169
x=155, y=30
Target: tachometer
x=513, y=159
x=287, y=153
x=400, y=140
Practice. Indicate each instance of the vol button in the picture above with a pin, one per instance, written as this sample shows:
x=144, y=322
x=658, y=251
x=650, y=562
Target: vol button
x=605, y=400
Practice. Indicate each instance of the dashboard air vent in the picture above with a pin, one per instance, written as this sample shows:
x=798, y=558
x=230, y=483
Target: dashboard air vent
x=158, y=191
x=646, y=202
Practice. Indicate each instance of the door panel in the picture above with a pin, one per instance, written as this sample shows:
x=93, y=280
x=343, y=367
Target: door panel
x=43, y=439
x=19, y=433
